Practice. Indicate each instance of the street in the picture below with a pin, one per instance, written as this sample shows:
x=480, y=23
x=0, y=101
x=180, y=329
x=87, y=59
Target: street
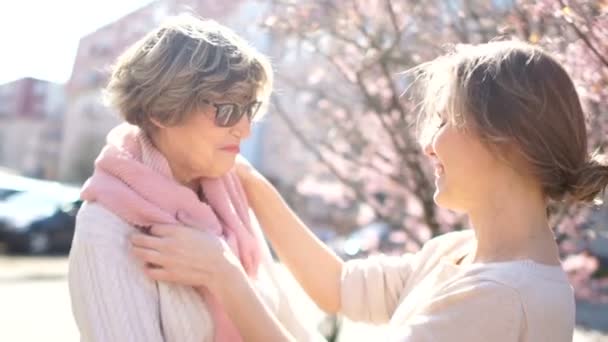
x=34, y=300
x=35, y=304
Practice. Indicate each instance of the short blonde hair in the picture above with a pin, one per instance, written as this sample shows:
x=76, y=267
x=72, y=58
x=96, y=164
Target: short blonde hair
x=176, y=68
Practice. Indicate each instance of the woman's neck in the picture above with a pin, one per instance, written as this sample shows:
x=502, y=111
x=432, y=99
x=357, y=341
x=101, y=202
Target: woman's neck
x=183, y=177
x=179, y=170
x=513, y=227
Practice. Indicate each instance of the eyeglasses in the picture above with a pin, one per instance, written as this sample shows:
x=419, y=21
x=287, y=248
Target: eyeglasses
x=229, y=114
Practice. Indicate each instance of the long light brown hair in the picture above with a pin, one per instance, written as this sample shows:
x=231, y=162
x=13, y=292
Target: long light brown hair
x=515, y=96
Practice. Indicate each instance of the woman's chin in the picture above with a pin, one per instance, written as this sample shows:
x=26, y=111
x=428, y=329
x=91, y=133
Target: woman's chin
x=437, y=198
x=221, y=169
x=441, y=199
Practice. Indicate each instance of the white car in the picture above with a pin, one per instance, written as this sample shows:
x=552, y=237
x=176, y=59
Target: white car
x=36, y=219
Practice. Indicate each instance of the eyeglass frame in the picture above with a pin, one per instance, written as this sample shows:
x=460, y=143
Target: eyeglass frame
x=242, y=110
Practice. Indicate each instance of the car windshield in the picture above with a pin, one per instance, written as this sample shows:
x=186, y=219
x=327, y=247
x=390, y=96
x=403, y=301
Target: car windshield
x=6, y=193
x=11, y=185
x=55, y=197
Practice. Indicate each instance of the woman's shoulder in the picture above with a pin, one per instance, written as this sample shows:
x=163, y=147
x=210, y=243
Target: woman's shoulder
x=454, y=238
x=449, y=244
x=543, y=292
x=525, y=277
x=96, y=221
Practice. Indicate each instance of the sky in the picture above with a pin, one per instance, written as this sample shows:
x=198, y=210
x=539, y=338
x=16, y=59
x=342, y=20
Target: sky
x=39, y=38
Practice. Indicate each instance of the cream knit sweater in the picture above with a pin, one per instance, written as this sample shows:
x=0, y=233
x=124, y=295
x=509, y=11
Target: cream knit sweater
x=420, y=297
x=112, y=300
x=428, y=297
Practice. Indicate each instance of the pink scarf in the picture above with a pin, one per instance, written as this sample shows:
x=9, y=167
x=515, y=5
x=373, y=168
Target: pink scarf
x=133, y=180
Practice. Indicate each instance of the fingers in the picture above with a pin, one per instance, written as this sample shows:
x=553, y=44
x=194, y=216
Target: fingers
x=159, y=274
x=146, y=241
x=182, y=216
x=183, y=277
x=174, y=230
x=149, y=256
x=147, y=249
x=162, y=230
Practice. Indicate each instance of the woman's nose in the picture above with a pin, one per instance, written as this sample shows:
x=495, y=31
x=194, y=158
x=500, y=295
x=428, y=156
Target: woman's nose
x=242, y=129
x=427, y=148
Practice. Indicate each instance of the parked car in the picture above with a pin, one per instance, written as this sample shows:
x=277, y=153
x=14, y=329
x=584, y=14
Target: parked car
x=39, y=220
x=11, y=184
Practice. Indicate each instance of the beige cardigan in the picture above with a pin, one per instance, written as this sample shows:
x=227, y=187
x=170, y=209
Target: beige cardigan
x=112, y=300
x=428, y=297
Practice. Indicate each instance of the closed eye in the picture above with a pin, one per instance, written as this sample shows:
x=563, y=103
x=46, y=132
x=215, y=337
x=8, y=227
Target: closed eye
x=442, y=119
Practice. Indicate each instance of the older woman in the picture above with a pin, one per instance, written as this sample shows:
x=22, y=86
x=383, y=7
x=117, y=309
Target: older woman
x=188, y=92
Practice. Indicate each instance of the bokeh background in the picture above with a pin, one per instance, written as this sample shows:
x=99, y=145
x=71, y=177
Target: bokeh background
x=337, y=140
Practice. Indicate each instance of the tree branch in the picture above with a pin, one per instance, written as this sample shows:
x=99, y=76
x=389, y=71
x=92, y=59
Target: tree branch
x=584, y=38
x=346, y=182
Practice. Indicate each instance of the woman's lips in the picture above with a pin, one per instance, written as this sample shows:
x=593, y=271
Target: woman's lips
x=439, y=170
x=231, y=148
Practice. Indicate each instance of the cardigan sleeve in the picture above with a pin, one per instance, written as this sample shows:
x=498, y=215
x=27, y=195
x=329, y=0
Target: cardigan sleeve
x=112, y=299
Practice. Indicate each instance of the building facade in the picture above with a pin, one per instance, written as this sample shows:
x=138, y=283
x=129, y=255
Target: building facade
x=30, y=126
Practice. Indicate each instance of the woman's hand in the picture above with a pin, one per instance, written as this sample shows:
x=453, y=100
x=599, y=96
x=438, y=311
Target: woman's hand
x=197, y=258
x=186, y=256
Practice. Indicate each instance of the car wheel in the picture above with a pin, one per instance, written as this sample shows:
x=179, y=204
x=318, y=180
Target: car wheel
x=38, y=243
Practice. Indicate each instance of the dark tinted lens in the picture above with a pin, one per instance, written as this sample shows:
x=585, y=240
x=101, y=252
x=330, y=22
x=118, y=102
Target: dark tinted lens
x=227, y=115
x=253, y=110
